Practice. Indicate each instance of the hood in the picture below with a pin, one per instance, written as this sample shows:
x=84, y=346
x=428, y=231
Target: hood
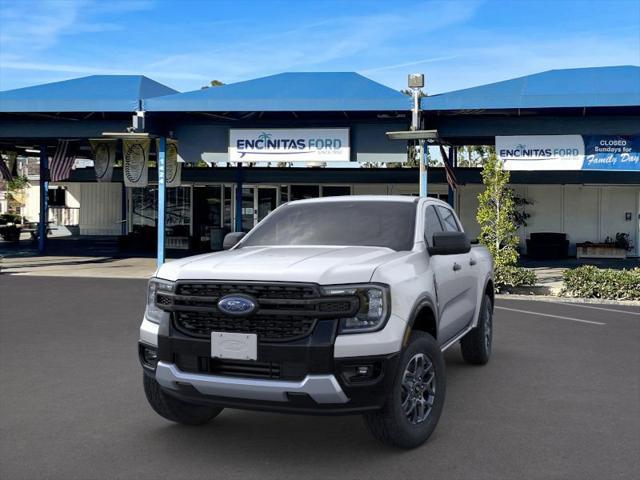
x=323, y=265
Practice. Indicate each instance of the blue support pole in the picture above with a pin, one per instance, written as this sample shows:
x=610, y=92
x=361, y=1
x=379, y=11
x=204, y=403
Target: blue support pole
x=162, y=190
x=424, y=161
x=238, y=227
x=44, y=199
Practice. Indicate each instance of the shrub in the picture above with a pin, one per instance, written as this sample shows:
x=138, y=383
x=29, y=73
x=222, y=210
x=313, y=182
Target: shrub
x=592, y=282
x=508, y=276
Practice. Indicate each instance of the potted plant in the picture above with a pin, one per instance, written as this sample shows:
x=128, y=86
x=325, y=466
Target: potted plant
x=617, y=247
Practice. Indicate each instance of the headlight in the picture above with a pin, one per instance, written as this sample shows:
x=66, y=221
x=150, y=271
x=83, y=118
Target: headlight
x=373, y=311
x=153, y=312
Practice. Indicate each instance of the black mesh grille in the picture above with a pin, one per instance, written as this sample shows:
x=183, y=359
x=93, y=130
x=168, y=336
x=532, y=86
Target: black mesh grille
x=267, y=327
x=284, y=311
x=232, y=368
x=259, y=291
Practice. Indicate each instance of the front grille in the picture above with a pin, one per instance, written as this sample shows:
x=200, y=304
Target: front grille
x=257, y=290
x=284, y=312
x=231, y=368
x=267, y=327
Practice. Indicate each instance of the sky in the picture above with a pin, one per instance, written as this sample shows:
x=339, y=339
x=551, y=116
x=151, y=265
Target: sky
x=185, y=44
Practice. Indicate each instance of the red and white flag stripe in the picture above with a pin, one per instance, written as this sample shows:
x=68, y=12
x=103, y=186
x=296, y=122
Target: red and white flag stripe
x=62, y=160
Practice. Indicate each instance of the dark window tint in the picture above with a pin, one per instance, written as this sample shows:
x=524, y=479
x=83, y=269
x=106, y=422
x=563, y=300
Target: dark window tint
x=349, y=223
x=57, y=197
x=448, y=220
x=301, y=192
x=335, y=191
x=431, y=225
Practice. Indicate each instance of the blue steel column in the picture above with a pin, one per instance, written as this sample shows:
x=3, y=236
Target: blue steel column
x=44, y=199
x=162, y=149
x=424, y=161
x=238, y=227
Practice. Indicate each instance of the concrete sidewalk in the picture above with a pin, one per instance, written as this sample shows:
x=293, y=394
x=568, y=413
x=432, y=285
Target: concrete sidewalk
x=69, y=266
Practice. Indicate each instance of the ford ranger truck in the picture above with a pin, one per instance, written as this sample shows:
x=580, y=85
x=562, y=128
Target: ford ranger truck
x=338, y=305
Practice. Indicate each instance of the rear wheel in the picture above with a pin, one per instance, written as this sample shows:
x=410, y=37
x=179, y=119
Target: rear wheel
x=174, y=409
x=476, y=345
x=414, y=404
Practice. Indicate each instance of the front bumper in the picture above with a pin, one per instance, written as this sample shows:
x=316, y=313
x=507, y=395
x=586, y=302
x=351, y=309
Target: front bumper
x=300, y=376
x=320, y=388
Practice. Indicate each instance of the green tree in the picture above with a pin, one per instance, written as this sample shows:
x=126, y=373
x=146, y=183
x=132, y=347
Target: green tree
x=213, y=83
x=474, y=155
x=496, y=212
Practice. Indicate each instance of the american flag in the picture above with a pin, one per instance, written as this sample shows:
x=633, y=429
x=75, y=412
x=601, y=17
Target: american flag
x=62, y=161
x=451, y=176
x=4, y=170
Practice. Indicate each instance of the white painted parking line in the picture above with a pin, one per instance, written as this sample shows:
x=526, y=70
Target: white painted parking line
x=582, y=305
x=549, y=315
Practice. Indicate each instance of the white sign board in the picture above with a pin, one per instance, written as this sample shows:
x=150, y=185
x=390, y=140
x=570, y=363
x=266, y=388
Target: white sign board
x=289, y=145
x=541, y=152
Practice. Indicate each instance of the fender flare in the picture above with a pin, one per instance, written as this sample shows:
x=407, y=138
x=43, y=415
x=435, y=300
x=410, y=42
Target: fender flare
x=424, y=300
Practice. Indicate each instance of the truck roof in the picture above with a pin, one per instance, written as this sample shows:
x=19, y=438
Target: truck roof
x=361, y=198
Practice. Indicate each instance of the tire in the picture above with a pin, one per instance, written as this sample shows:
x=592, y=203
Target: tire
x=174, y=409
x=391, y=425
x=476, y=345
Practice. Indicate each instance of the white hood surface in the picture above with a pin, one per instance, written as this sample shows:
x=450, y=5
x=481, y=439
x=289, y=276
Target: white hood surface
x=322, y=265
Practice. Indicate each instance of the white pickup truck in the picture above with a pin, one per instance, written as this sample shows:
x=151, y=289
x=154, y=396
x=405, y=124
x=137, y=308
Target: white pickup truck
x=338, y=305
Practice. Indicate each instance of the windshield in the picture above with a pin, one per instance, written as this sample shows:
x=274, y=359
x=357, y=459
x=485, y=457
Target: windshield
x=350, y=223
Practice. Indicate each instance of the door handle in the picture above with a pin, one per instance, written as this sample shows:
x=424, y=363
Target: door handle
x=472, y=261
x=456, y=267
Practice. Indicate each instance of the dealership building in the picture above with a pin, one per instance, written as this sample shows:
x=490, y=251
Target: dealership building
x=232, y=154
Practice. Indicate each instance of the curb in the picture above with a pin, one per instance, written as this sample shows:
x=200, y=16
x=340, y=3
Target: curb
x=555, y=299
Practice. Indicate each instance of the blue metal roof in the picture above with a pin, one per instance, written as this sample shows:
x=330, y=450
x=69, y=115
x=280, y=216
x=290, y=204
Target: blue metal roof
x=577, y=87
x=96, y=93
x=297, y=92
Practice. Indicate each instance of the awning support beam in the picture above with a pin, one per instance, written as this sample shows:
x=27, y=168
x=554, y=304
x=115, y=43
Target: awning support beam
x=162, y=191
x=44, y=199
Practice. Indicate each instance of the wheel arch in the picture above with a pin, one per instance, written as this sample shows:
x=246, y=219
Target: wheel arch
x=423, y=317
x=489, y=289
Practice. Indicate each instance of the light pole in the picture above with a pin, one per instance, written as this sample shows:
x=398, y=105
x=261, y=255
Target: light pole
x=416, y=83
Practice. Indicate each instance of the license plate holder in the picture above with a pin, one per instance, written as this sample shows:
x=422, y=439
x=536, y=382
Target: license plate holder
x=234, y=346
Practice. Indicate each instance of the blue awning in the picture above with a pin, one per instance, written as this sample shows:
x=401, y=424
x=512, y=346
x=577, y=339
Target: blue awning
x=288, y=92
x=577, y=87
x=96, y=93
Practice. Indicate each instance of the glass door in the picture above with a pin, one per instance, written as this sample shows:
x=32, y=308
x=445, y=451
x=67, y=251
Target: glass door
x=248, y=208
x=266, y=202
x=257, y=203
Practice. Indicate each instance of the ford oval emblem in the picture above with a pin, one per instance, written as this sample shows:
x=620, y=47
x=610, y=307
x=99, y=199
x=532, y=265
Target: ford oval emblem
x=236, y=305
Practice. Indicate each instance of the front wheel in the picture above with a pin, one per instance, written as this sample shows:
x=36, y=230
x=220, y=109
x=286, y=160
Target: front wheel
x=476, y=345
x=414, y=404
x=174, y=409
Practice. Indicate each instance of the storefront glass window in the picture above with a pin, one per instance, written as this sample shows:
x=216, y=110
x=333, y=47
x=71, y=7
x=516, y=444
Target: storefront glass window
x=300, y=192
x=144, y=207
x=335, y=190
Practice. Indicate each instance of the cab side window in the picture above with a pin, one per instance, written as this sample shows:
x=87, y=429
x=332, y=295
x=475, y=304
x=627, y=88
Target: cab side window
x=448, y=220
x=431, y=224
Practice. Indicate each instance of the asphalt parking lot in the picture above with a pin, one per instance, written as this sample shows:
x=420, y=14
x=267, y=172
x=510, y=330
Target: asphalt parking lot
x=559, y=399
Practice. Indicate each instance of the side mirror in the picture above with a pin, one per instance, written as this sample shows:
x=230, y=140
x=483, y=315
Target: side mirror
x=449, y=243
x=232, y=239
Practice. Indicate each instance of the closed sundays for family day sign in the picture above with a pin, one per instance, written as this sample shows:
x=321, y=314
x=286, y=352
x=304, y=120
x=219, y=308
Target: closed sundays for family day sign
x=569, y=152
x=289, y=145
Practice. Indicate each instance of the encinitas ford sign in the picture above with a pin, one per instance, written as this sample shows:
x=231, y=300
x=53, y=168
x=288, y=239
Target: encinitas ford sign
x=541, y=152
x=289, y=145
x=569, y=152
